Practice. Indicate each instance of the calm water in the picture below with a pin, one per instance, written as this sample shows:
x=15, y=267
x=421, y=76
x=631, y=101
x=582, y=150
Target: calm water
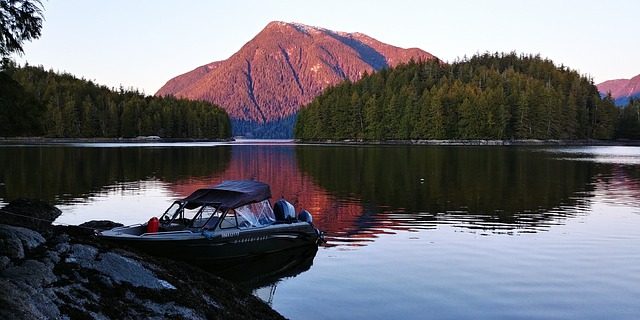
x=414, y=232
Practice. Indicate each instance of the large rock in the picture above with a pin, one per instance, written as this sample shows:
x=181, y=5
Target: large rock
x=29, y=213
x=15, y=240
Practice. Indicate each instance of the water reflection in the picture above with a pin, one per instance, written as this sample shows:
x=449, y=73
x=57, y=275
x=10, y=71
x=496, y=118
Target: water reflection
x=63, y=174
x=618, y=171
x=492, y=189
x=355, y=193
x=624, y=155
x=261, y=274
x=619, y=185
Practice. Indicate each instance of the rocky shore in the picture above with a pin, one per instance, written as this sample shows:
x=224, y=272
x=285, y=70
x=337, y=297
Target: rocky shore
x=66, y=272
x=478, y=142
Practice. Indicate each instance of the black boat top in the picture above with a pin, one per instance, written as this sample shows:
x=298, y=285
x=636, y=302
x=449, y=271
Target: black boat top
x=230, y=194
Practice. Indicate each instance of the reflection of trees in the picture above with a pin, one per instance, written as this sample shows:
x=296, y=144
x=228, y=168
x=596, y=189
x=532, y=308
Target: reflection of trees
x=58, y=174
x=500, y=185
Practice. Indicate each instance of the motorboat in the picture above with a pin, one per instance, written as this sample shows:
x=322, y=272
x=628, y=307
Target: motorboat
x=226, y=222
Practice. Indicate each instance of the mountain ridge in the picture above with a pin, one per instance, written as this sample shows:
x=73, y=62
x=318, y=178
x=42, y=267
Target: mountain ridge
x=282, y=68
x=621, y=89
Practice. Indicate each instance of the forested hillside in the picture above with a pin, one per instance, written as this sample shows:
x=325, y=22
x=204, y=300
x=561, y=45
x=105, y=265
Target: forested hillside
x=489, y=96
x=35, y=102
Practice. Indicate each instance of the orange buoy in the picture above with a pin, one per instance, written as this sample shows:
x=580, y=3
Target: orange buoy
x=152, y=226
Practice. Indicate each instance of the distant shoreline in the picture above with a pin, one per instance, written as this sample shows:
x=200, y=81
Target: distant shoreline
x=451, y=142
x=479, y=142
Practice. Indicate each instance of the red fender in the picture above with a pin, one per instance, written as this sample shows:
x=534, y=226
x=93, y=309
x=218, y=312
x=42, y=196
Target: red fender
x=152, y=226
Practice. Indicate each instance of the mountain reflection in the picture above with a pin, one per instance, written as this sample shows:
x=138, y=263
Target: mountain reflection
x=619, y=184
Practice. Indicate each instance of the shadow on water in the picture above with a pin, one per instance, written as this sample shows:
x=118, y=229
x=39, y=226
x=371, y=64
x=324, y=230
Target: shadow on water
x=265, y=271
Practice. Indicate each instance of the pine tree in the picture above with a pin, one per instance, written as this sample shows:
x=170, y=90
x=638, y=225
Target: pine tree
x=21, y=20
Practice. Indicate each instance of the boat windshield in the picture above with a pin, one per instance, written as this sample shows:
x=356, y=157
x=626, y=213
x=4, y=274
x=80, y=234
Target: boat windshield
x=182, y=214
x=172, y=213
x=255, y=215
x=207, y=217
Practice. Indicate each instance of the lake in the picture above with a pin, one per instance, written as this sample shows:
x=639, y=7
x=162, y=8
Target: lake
x=413, y=232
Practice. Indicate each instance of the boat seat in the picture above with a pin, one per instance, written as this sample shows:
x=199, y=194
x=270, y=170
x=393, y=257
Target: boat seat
x=284, y=211
x=211, y=223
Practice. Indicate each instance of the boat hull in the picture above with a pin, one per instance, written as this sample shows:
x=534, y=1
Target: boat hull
x=204, y=248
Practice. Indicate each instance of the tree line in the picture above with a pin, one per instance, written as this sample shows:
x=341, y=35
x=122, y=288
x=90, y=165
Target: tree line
x=488, y=96
x=36, y=102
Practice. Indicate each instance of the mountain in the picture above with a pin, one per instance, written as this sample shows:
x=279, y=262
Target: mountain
x=621, y=89
x=264, y=84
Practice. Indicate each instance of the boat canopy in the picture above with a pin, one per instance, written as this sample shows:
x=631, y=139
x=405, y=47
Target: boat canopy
x=230, y=194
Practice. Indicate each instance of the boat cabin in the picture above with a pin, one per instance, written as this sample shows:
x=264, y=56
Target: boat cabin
x=234, y=204
x=213, y=216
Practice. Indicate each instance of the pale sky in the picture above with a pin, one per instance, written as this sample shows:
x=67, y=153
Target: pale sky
x=144, y=43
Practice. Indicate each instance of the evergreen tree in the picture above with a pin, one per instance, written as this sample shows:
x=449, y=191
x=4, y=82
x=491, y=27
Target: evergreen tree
x=70, y=118
x=628, y=126
x=21, y=20
x=20, y=113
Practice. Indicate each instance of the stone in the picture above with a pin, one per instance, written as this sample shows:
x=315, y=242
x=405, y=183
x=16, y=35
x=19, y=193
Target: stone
x=14, y=241
x=29, y=213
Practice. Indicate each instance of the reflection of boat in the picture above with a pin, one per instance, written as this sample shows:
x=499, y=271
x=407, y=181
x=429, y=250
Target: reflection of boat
x=232, y=220
x=261, y=274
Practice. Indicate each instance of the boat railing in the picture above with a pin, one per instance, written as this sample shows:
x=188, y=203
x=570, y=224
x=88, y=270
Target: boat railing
x=148, y=234
x=127, y=227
